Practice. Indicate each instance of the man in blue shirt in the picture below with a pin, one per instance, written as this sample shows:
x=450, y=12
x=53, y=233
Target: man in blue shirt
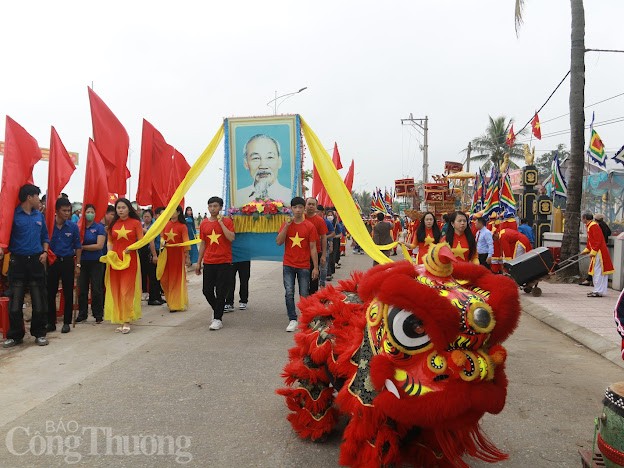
x=66, y=245
x=29, y=253
x=485, y=243
x=525, y=229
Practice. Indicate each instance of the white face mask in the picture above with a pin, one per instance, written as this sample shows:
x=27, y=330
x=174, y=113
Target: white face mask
x=330, y=218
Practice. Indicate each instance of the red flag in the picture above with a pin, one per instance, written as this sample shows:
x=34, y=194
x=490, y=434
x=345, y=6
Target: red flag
x=21, y=153
x=336, y=157
x=348, y=181
x=60, y=170
x=179, y=169
x=511, y=137
x=112, y=141
x=96, y=186
x=317, y=183
x=112, y=198
x=156, y=171
x=536, y=127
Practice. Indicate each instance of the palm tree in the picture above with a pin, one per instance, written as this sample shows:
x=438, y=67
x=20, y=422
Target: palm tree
x=491, y=147
x=570, y=243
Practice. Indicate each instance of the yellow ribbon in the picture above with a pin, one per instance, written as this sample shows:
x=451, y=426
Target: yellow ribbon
x=341, y=197
x=185, y=243
x=160, y=265
x=111, y=258
x=191, y=176
x=406, y=254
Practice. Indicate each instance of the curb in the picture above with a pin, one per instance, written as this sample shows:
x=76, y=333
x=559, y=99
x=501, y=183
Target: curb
x=587, y=338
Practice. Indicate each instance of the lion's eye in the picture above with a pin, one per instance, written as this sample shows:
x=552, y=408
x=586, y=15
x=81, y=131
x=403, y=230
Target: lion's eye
x=407, y=329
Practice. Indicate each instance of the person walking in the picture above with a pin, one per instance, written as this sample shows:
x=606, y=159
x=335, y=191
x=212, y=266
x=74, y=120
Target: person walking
x=172, y=262
x=28, y=245
x=217, y=234
x=65, y=243
x=311, y=214
x=122, y=301
x=460, y=238
x=92, y=270
x=485, y=243
x=382, y=234
x=300, y=238
x=192, y=234
x=600, y=265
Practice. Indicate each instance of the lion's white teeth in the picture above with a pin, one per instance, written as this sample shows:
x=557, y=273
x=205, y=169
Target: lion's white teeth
x=392, y=388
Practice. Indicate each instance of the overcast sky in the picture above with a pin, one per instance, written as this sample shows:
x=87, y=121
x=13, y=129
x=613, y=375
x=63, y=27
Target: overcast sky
x=185, y=66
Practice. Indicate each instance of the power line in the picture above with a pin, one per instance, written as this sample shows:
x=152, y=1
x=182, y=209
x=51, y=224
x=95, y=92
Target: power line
x=565, y=132
x=586, y=107
x=551, y=95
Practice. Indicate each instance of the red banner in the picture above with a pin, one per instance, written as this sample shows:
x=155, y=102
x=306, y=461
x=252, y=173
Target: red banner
x=404, y=187
x=452, y=166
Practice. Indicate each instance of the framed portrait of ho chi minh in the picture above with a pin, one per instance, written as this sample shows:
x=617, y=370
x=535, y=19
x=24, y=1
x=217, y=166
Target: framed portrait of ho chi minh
x=262, y=159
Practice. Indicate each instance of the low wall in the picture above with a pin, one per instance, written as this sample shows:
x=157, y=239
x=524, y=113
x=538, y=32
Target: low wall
x=616, y=250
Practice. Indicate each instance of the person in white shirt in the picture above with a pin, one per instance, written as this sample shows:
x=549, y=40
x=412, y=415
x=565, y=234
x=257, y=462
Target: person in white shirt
x=485, y=243
x=263, y=160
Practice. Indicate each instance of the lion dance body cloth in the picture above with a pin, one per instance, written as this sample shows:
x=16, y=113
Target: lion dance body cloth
x=411, y=354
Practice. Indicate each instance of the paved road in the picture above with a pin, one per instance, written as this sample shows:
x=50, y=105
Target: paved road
x=173, y=387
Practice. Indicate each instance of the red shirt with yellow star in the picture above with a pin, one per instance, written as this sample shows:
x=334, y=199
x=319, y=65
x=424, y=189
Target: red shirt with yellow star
x=423, y=247
x=297, y=244
x=460, y=248
x=218, y=248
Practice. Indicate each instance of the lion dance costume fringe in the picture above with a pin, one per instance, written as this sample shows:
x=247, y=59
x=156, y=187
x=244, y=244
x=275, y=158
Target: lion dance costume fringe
x=412, y=355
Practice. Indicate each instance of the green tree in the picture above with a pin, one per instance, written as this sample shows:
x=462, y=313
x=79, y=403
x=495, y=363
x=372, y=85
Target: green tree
x=364, y=200
x=490, y=147
x=307, y=175
x=570, y=242
x=544, y=162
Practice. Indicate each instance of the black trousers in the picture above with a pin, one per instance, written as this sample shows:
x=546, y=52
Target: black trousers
x=148, y=275
x=26, y=273
x=244, y=273
x=483, y=261
x=217, y=278
x=314, y=283
x=91, y=275
x=63, y=270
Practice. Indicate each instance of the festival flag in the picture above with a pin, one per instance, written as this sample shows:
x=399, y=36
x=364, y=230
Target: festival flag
x=492, y=202
x=348, y=181
x=60, y=170
x=336, y=157
x=596, y=148
x=559, y=184
x=357, y=205
x=507, y=199
x=536, y=127
x=112, y=198
x=479, y=193
x=619, y=155
x=317, y=183
x=180, y=168
x=112, y=141
x=511, y=137
x=21, y=153
x=155, y=169
x=96, y=185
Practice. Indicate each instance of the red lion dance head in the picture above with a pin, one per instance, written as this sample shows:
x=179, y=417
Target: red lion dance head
x=412, y=354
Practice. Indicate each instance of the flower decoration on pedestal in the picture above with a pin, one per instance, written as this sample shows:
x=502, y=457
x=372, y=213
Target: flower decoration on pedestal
x=266, y=208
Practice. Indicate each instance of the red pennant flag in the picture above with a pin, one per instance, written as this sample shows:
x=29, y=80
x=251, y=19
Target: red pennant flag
x=317, y=183
x=96, y=186
x=511, y=137
x=112, y=141
x=536, y=127
x=348, y=181
x=336, y=157
x=61, y=167
x=21, y=153
x=112, y=198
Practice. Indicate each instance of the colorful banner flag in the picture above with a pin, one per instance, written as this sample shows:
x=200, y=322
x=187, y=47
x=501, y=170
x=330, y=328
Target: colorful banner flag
x=507, y=199
x=619, y=155
x=511, y=137
x=60, y=169
x=21, y=153
x=492, y=201
x=536, y=127
x=559, y=184
x=596, y=148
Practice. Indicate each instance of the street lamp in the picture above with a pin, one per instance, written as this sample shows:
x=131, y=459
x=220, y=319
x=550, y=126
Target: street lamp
x=285, y=96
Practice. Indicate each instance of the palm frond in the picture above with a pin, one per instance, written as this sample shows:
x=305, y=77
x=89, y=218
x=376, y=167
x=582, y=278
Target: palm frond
x=518, y=15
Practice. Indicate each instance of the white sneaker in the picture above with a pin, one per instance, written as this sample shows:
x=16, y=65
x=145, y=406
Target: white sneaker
x=292, y=326
x=242, y=306
x=227, y=308
x=216, y=325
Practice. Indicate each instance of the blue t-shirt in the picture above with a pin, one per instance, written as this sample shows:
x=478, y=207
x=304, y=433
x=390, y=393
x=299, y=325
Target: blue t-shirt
x=90, y=238
x=66, y=240
x=29, y=233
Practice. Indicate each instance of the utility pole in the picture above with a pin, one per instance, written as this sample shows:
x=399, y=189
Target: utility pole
x=421, y=124
x=468, y=156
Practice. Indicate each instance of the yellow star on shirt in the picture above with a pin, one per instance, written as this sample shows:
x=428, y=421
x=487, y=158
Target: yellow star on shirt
x=170, y=235
x=122, y=233
x=296, y=241
x=214, y=238
x=428, y=240
x=459, y=251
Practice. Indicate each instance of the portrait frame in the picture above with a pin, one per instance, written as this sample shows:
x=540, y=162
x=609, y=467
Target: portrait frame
x=286, y=131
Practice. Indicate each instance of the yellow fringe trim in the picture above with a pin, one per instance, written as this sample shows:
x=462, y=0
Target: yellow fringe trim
x=243, y=223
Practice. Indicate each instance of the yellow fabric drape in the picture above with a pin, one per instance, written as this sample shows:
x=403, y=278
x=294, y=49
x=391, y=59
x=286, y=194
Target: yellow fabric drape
x=188, y=181
x=243, y=223
x=406, y=254
x=341, y=197
x=161, y=264
x=184, y=244
x=111, y=258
